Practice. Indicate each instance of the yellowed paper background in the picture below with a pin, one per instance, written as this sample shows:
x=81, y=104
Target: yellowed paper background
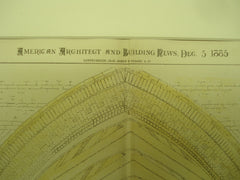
x=47, y=97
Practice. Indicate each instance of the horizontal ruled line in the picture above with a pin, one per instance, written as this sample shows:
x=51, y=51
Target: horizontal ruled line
x=168, y=64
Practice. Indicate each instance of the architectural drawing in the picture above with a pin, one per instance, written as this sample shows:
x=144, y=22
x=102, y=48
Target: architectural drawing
x=121, y=124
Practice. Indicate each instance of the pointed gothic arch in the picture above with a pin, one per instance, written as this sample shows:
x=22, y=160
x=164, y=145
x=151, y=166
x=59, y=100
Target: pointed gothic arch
x=155, y=126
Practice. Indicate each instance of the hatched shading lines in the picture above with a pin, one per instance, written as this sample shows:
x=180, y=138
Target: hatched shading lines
x=135, y=93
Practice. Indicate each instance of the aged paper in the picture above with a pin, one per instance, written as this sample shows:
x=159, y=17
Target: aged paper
x=119, y=109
